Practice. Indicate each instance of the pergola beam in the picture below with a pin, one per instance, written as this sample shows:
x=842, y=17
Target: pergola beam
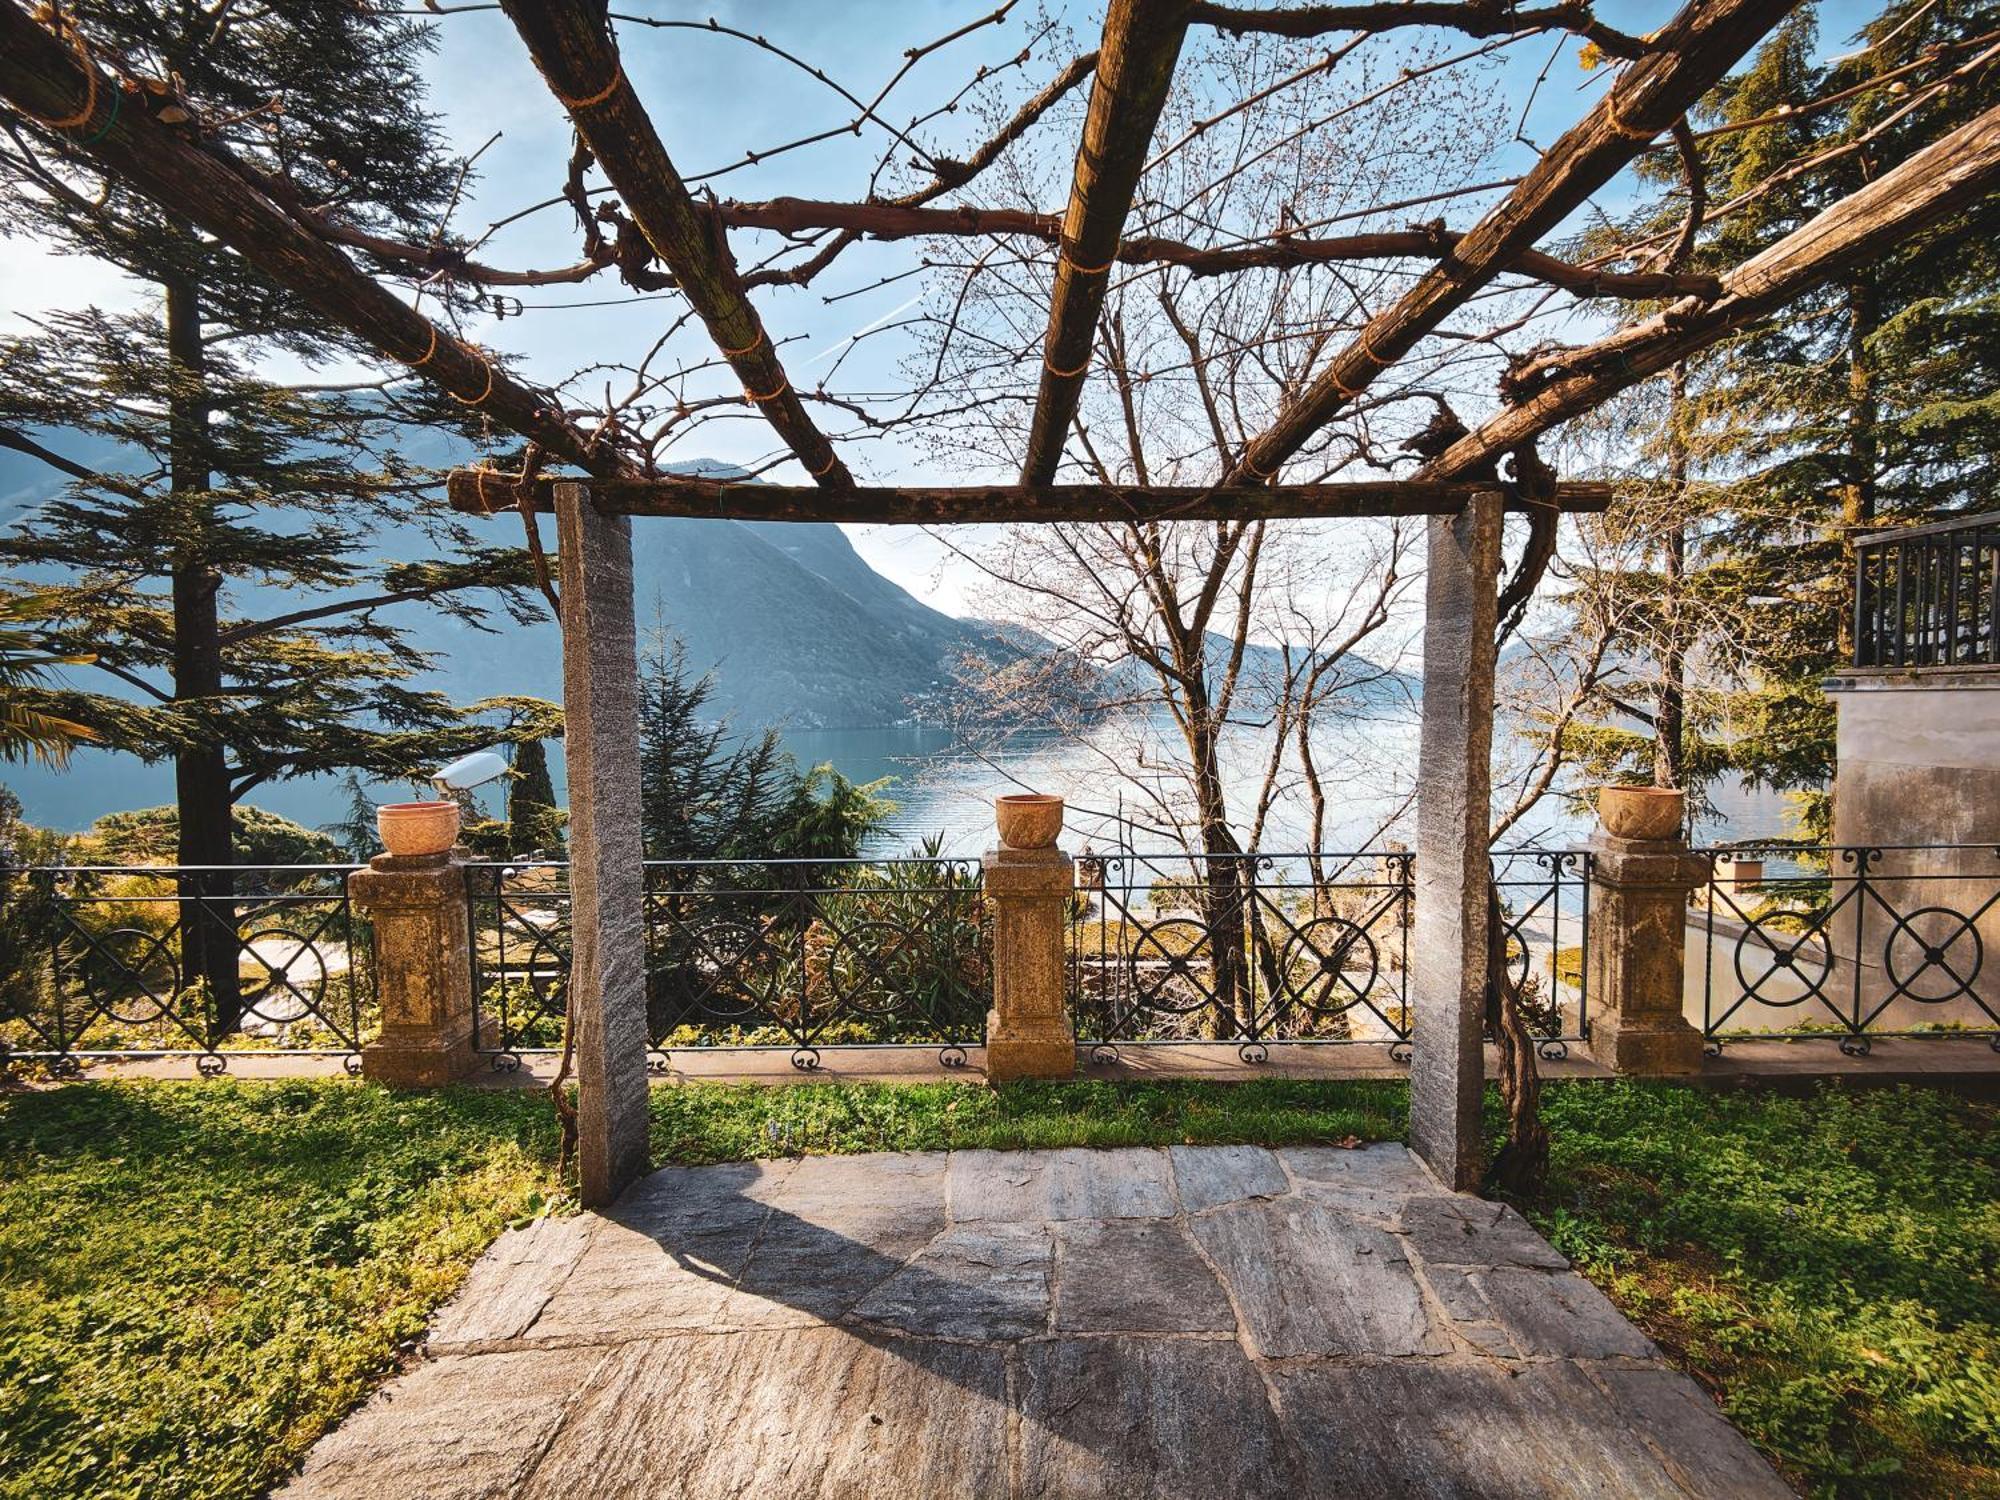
x=1949, y=174
x=42, y=77
x=899, y=221
x=484, y=491
x=1686, y=59
x=1135, y=69
x=571, y=44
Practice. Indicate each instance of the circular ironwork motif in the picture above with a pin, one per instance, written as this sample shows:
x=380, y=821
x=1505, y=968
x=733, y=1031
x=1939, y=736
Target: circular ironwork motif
x=211, y=1065
x=658, y=1062
x=1172, y=982
x=1956, y=960
x=1103, y=1055
x=1253, y=1053
x=1763, y=935
x=130, y=967
x=1313, y=965
x=1399, y=1052
x=806, y=1059
x=951, y=1057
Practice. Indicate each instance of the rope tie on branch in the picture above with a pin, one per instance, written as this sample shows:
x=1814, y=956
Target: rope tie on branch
x=428, y=354
x=480, y=399
x=1065, y=374
x=1630, y=131
x=784, y=384
x=52, y=18
x=479, y=473
x=832, y=458
x=1069, y=260
x=593, y=100
x=739, y=353
x=1251, y=464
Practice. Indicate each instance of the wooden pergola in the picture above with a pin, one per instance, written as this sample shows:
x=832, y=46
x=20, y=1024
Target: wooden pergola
x=51, y=78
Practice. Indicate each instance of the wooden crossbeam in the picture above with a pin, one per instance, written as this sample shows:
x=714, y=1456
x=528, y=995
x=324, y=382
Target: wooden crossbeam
x=485, y=492
x=1944, y=177
x=1135, y=68
x=572, y=45
x=45, y=79
x=1686, y=59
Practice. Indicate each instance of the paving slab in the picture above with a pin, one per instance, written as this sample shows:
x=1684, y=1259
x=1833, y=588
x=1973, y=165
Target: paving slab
x=1191, y=1321
x=1136, y=1276
x=1314, y=1283
x=1209, y=1176
x=975, y=1281
x=1049, y=1186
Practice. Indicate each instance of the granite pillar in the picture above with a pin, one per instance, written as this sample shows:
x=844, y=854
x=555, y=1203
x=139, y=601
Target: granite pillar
x=607, y=984
x=1448, y=951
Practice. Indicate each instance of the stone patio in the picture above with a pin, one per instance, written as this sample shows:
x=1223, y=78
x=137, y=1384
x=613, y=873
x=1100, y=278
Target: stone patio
x=1185, y=1322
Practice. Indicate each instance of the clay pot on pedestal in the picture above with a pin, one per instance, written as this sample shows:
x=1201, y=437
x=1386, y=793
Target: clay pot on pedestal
x=1028, y=820
x=410, y=830
x=1649, y=813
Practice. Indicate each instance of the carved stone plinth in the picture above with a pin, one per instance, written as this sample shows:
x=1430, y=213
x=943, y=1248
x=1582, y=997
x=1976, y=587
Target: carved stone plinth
x=1028, y=1031
x=423, y=972
x=1638, y=954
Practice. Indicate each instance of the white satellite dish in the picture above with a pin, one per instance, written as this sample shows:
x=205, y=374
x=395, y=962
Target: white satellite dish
x=469, y=771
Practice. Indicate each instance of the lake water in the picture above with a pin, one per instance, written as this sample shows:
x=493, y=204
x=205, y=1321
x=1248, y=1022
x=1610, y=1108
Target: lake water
x=943, y=787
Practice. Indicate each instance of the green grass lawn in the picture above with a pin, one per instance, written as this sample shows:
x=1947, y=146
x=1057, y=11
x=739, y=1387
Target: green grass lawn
x=1829, y=1267
x=197, y=1279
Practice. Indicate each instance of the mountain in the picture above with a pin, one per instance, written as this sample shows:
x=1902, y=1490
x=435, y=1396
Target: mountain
x=797, y=628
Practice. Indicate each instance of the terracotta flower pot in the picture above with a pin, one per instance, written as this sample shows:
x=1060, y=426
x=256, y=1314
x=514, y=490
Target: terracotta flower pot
x=1641, y=812
x=1028, y=820
x=410, y=829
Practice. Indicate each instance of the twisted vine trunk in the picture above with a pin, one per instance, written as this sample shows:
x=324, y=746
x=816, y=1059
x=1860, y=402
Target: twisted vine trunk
x=1521, y=1165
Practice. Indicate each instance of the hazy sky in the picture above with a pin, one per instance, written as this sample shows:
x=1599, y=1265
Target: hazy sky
x=712, y=98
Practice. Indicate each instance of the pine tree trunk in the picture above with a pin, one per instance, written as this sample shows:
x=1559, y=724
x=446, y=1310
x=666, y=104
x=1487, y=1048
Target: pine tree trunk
x=1670, y=725
x=201, y=771
x=1857, y=494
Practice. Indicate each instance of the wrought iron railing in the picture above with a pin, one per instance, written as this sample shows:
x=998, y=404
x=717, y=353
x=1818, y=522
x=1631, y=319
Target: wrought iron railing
x=1851, y=942
x=1298, y=948
x=1929, y=596
x=809, y=954
x=120, y=960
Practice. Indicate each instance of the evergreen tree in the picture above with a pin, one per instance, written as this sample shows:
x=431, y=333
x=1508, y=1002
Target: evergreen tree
x=707, y=794
x=1869, y=403
x=534, y=823
x=218, y=475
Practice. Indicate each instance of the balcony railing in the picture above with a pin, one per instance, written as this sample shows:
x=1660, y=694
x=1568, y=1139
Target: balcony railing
x=96, y=962
x=1929, y=596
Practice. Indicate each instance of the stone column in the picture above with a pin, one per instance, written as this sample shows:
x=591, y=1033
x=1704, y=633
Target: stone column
x=1638, y=954
x=607, y=983
x=423, y=969
x=1448, y=952
x=1028, y=1031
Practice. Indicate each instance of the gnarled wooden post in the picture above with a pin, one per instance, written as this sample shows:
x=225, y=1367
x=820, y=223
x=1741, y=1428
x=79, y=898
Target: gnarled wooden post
x=607, y=976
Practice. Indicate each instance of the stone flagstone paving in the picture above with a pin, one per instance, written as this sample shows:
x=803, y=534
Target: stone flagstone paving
x=1195, y=1321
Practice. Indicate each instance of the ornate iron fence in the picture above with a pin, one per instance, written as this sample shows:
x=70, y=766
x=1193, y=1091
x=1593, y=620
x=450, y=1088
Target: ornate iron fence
x=1851, y=942
x=1251, y=949
x=1545, y=907
x=95, y=961
x=808, y=954
x=1298, y=948
x=1929, y=596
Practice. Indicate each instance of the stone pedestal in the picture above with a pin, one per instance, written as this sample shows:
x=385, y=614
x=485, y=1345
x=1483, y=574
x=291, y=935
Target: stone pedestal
x=423, y=969
x=1028, y=1031
x=1639, y=892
